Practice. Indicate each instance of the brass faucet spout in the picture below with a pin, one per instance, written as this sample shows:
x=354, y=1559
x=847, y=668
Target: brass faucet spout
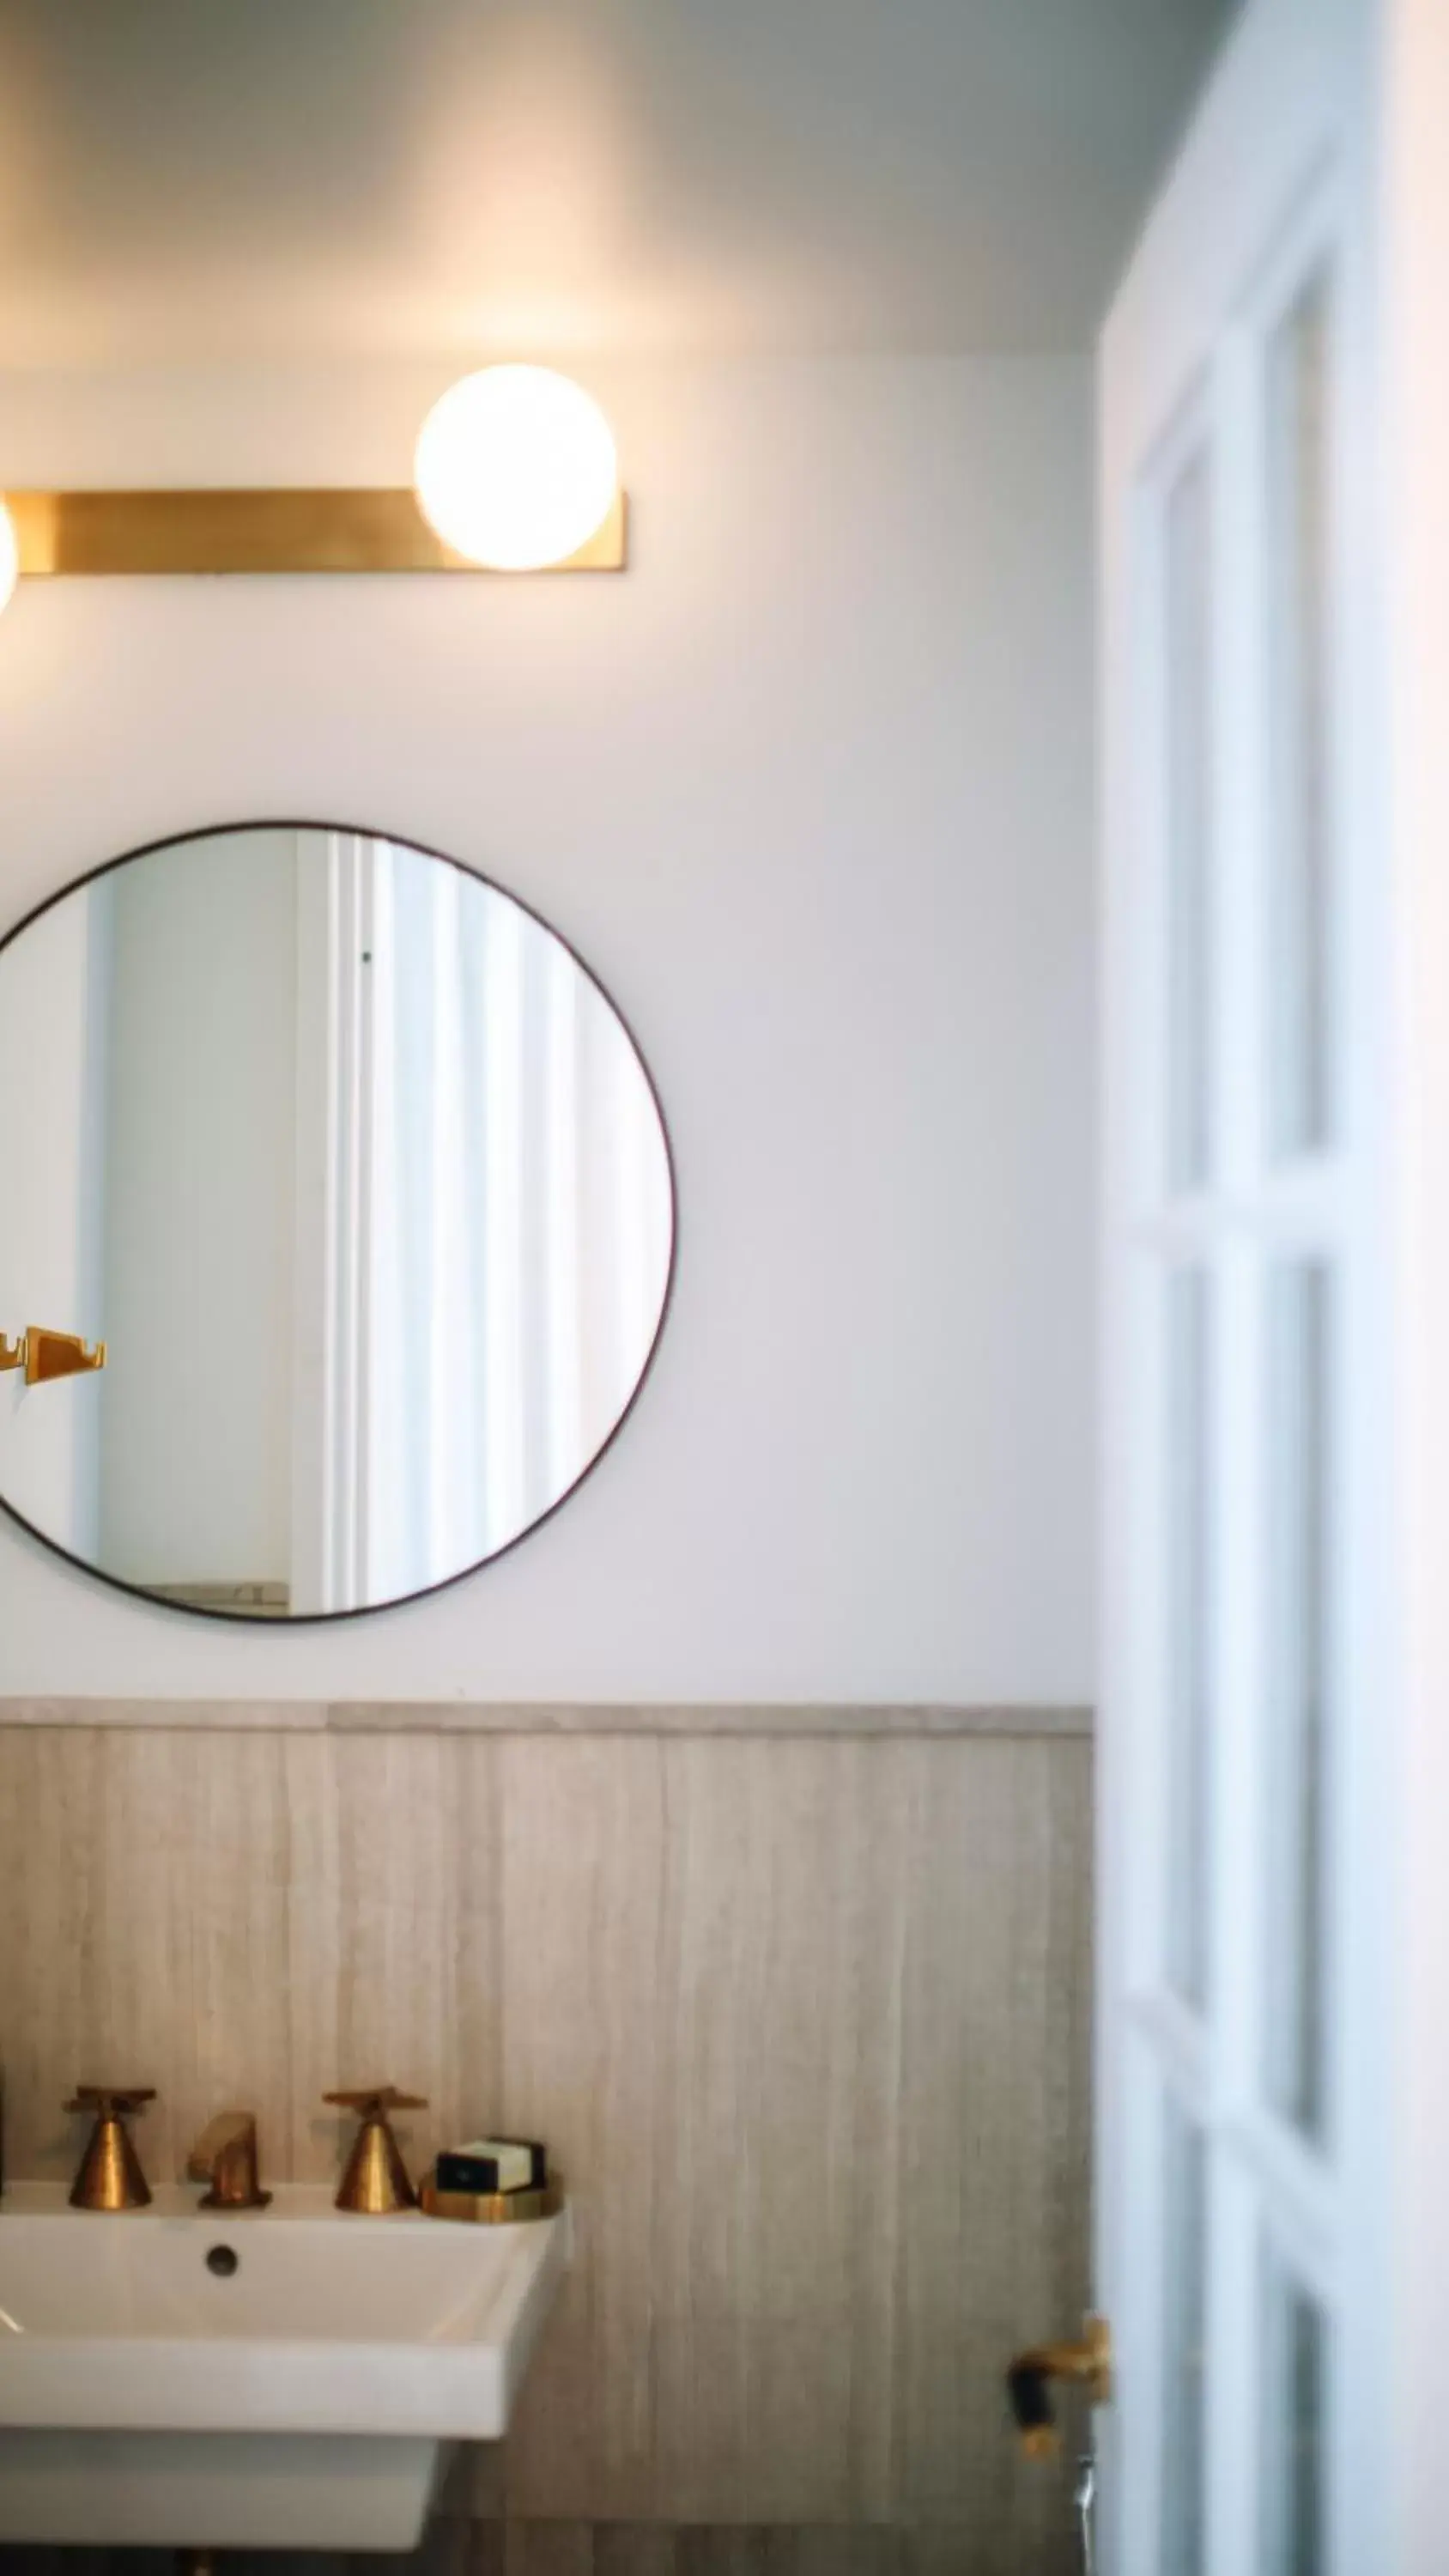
x=225, y=2156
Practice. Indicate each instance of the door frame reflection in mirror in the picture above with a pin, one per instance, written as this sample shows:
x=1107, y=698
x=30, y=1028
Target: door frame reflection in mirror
x=211, y=832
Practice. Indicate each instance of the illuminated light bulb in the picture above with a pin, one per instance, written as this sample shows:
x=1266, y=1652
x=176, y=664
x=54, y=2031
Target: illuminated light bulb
x=516, y=467
x=9, y=557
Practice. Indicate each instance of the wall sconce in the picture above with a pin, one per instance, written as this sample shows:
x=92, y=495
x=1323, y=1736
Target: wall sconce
x=516, y=471
x=516, y=468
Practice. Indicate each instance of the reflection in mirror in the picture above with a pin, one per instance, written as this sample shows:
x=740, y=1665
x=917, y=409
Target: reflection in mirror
x=359, y=1176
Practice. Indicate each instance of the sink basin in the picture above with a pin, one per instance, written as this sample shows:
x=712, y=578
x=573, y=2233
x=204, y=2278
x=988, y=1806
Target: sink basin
x=301, y=2395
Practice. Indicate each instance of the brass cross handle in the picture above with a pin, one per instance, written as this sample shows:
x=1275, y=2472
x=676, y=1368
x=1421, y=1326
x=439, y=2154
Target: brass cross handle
x=370, y=2099
x=109, y=2099
x=110, y=2175
x=1087, y=2364
x=376, y=2181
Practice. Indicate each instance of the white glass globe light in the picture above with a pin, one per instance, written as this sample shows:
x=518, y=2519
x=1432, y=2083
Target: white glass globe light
x=515, y=467
x=9, y=557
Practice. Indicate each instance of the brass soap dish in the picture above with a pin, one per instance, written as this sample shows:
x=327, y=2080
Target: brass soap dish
x=492, y=2208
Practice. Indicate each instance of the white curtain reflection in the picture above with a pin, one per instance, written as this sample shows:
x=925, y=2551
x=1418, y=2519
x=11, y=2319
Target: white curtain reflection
x=518, y=1218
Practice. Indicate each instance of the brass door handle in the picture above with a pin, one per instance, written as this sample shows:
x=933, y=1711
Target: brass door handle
x=1087, y=2364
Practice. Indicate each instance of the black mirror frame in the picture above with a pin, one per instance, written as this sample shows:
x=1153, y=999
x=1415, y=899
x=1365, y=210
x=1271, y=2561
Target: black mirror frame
x=373, y=1609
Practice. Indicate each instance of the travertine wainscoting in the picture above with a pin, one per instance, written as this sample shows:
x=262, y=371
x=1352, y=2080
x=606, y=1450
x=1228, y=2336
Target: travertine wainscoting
x=799, y=1998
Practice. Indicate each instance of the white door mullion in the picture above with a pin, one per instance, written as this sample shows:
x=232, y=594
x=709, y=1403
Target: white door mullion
x=1143, y=1885
x=1236, y=701
x=1133, y=2506
x=1232, y=2395
x=1232, y=2383
x=1237, y=1780
x=1302, y=1206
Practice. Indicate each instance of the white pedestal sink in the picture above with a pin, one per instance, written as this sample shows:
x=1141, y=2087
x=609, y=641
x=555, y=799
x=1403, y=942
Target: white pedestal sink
x=303, y=2398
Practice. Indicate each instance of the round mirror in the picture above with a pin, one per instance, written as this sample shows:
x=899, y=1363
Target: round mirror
x=336, y=1221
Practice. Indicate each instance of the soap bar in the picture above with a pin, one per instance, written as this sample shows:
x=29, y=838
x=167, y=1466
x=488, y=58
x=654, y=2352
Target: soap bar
x=493, y=2164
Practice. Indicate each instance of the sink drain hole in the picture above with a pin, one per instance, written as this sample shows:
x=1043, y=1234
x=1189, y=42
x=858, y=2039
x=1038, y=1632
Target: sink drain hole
x=222, y=2261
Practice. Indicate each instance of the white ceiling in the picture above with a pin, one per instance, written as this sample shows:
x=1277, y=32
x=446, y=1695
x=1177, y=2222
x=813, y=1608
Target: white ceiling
x=194, y=178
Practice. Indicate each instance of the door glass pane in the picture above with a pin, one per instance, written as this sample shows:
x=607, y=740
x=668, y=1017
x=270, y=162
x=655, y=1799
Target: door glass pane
x=1299, y=1479
x=1188, y=684
x=1184, y=2274
x=1299, y=982
x=1187, y=1644
x=1295, y=2373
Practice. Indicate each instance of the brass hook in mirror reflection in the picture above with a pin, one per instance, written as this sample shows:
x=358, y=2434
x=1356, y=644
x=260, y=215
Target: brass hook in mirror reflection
x=12, y=1354
x=50, y=1355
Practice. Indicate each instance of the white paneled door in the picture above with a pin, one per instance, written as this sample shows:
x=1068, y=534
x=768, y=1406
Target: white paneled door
x=1268, y=1869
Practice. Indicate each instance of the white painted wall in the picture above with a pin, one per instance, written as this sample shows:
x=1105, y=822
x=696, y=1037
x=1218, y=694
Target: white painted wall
x=200, y=1155
x=811, y=789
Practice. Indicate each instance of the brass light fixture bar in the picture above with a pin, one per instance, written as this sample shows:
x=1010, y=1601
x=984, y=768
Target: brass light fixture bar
x=259, y=531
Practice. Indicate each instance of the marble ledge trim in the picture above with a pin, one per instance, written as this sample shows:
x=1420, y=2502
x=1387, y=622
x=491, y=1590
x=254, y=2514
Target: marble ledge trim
x=539, y=1717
